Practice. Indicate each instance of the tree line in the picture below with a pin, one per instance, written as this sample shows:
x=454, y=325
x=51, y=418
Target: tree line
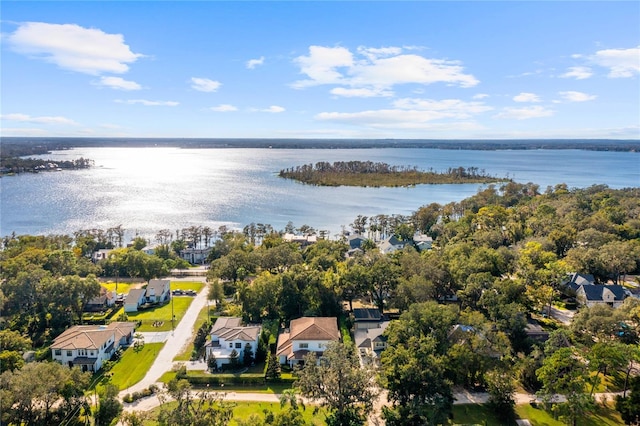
x=499, y=259
x=368, y=173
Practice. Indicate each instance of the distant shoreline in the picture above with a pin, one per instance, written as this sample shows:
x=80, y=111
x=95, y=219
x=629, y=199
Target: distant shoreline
x=25, y=146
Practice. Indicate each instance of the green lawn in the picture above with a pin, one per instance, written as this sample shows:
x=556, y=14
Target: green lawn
x=122, y=287
x=599, y=417
x=133, y=366
x=185, y=355
x=187, y=285
x=242, y=410
x=160, y=314
x=471, y=414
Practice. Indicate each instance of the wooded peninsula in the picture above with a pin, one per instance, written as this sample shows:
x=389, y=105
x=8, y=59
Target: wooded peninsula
x=370, y=174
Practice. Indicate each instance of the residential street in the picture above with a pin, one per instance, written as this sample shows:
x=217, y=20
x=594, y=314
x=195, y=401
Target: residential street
x=175, y=341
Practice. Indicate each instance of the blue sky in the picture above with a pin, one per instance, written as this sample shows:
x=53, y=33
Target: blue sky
x=336, y=69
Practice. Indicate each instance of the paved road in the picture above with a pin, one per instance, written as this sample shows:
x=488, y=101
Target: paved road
x=565, y=316
x=175, y=341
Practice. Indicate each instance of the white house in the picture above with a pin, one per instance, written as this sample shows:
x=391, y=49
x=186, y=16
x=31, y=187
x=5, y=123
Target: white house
x=157, y=291
x=304, y=335
x=101, y=254
x=195, y=255
x=88, y=346
x=135, y=299
x=228, y=335
x=371, y=342
x=390, y=245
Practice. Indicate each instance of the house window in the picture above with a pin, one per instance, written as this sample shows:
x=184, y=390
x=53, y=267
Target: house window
x=304, y=345
x=69, y=353
x=82, y=352
x=238, y=345
x=58, y=352
x=380, y=345
x=231, y=345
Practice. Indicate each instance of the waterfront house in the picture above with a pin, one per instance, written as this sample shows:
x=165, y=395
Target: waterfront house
x=88, y=346
x=228, y=335
x=195, y=256
x=305, y=335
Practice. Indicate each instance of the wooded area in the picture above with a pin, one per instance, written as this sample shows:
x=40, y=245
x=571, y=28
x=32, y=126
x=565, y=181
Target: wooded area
x=499, y=260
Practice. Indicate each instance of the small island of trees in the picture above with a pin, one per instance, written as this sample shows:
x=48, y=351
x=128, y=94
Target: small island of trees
x=368, y=173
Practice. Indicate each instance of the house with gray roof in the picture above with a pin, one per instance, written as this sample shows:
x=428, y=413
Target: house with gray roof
x=371, y=342
x=228, y=335
x=591, y=295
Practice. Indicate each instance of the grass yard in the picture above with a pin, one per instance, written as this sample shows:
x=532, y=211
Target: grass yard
x=243, y=410
x=187, y=285
x=133, y=366
x=471, y=414
x=122, y=287
x=185, y=355
x=161, y=314
x=599, y=417
x=475, y=414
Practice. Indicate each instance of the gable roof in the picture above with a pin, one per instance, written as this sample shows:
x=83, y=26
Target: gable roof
x=91, y=336
x=230, y=328
x=135, y=295
x=158, y=286
x=314, y=328
x=596, y=292
x=308, y=328
x=581, y=279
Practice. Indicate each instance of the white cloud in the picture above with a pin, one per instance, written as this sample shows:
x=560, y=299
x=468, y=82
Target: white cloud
x=41, y=120
x=412, y=113
x=373, y=53
x=22, y=131
x=360, y=92
x=273, y=109
x=252, y=63
x=204, y=84
x=224, y=108
x=526, y=97
x=480, y=96
x=621, y=62
x=376, y=69
x=579, y=73
x=525, y=113
x=118, y=83
x=571, y=96
x=320, y=66
x=146, y=102
x=72, y=47
x=452, y=108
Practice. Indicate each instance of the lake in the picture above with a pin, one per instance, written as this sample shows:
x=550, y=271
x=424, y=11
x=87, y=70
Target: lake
x=148, y=189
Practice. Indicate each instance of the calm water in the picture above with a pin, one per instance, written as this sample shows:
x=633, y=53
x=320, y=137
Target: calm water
x=148, y=189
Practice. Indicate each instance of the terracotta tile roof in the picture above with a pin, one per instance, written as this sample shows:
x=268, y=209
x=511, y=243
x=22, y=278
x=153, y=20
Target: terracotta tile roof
x=91, y=336
x=308, y=328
